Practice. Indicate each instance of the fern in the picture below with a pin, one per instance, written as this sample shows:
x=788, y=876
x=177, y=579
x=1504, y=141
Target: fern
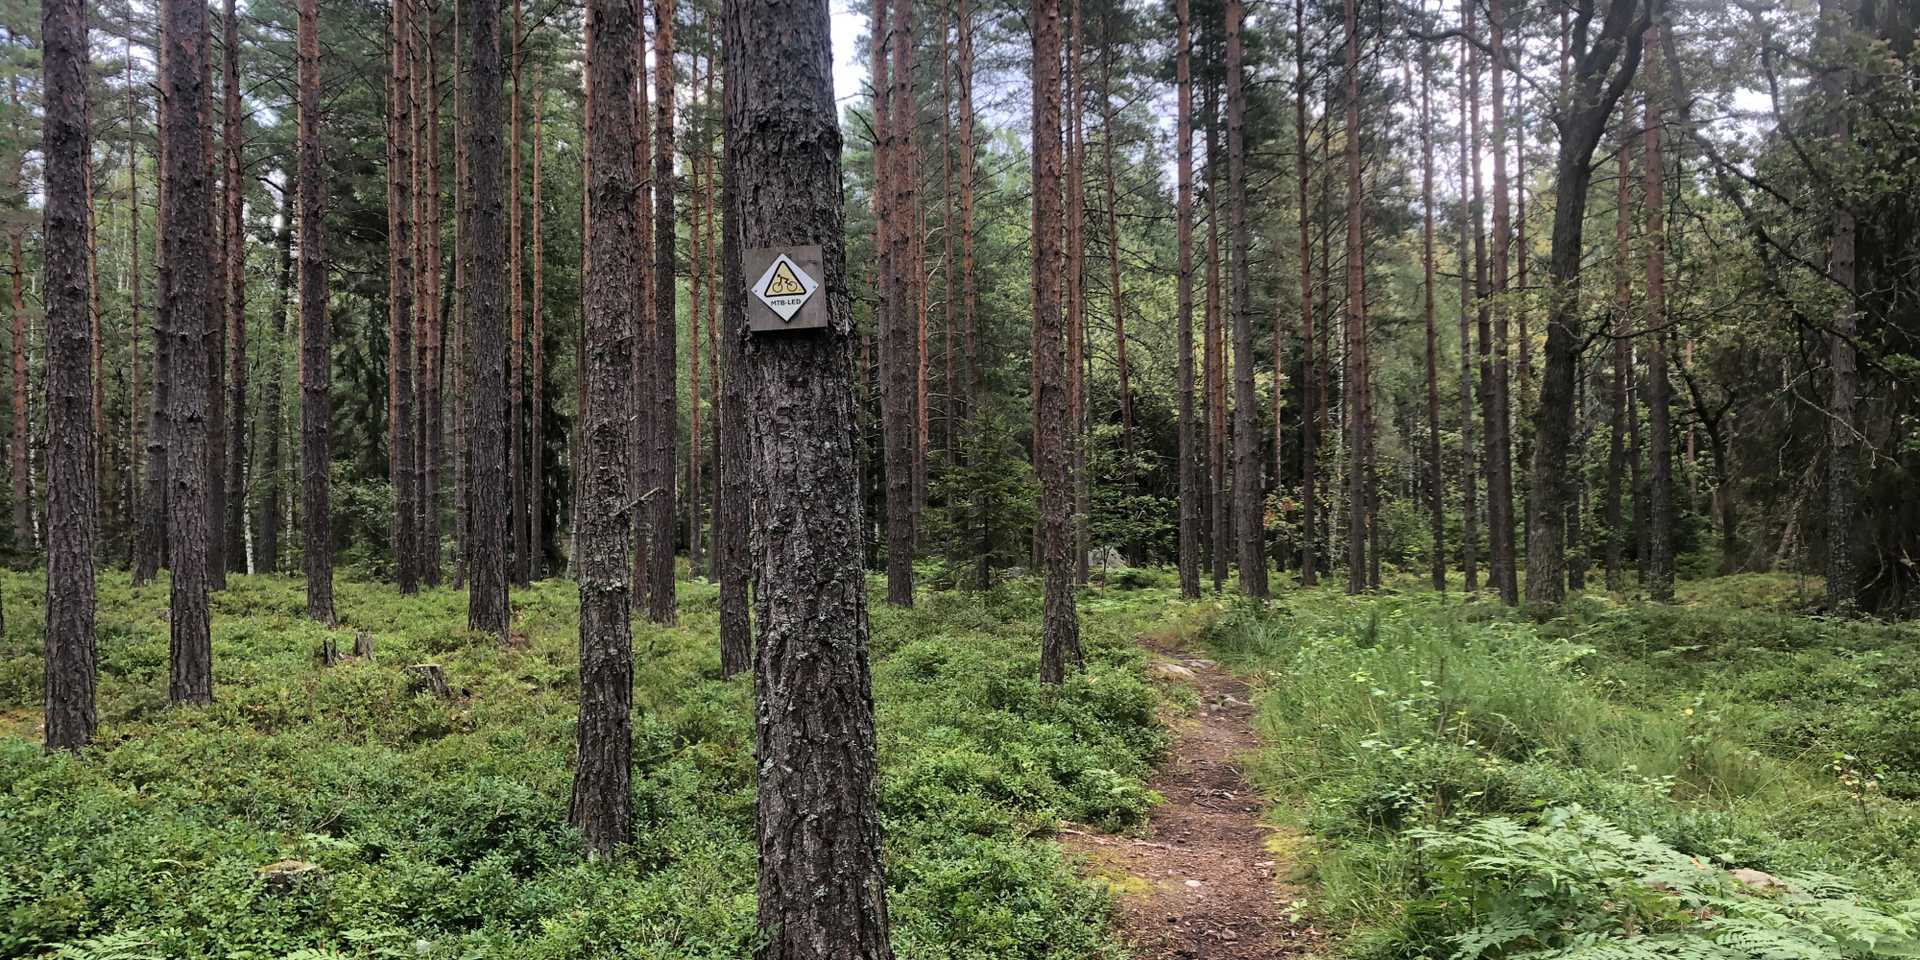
x=1577, y=887
x=123, y=945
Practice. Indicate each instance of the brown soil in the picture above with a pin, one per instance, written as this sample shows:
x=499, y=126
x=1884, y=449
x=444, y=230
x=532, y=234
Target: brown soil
x=1209, y=877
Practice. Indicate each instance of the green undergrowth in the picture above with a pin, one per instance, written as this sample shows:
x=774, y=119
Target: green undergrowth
x=1701, y=780
x=440, y=825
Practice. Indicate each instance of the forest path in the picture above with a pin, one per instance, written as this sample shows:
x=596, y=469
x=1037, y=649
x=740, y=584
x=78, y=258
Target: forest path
x=1209, y=877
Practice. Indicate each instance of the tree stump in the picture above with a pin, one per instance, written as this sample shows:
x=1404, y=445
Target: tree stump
x=429, y=678
x=363, y=645
x=288, y=876
x=329, y=652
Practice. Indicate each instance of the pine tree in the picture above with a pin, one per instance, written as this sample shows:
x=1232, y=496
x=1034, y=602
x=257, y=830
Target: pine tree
x=1248, y=508
x=316, y=339
x=1060, y=644
x=189, y=300
x=486, y=325
x=602, y=803
x=822, y=893
x=72, y=494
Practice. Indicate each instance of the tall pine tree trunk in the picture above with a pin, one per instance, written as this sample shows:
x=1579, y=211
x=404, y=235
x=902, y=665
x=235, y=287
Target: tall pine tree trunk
x=516, y=310
x=235, y=298
x=401, y=466
x=602, y=802
x=72, y=486
x=1309, y=381
x=537, y=374
x=898, y=395
x=1189, y=459
x=1469, y=476
x=661, y=602
x=1498, y=412
x=1356, y=332
x=1060, y=643
x=732, y=504
x=1435, y=477
x=267, y=519
x=486, y=320
x=822, y=892
x=190, y=301
x=1659, y=559
x=316, y=338
x=1248, y=508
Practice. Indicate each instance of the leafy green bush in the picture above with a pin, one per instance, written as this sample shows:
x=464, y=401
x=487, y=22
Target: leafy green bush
x=440, y=826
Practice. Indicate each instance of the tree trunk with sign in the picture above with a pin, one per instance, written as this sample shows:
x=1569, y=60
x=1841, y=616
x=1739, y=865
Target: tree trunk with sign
x=822, y=891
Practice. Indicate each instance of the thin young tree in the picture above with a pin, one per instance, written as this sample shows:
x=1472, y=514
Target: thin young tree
x=1621, y=372
x=822, y=890
x=316, y=339
x=1248, y=509
x=1435, y=479
x=189, y=299
x=602, y=803
x=1309, y=381
x=72, y=494
x=1659, y=562
x=1497, y=410
x=266, y=520
x=1060, y=643
x=1356, y=325
x=486, y=240
x=1843, y=382
x=1188, y=439
x=537, y=366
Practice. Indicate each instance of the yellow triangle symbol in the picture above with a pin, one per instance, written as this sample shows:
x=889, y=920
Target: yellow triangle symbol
x=784, y=283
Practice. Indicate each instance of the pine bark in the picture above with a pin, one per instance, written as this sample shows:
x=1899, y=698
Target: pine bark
x=697, y=282
x=602, y=802
x=732, y=503
x=1189, y=459
x=235, y=297
x=189, y=300
x=1060, y=651
x=822, y=891
x=660, y=601
x=899, y=394
x=402, y=468
x=486, y=318
x=516, y=300
x=72, y=486
x=316, y=338
x=1076, y=283
x=1248, y=508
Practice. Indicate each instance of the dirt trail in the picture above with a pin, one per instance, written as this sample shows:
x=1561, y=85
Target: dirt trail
x=1206, y=880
